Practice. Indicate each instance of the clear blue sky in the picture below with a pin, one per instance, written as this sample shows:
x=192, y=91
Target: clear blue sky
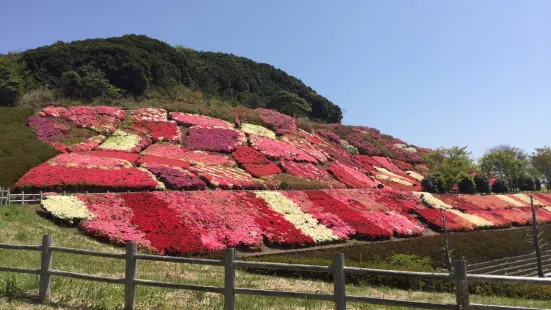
x=433, y=73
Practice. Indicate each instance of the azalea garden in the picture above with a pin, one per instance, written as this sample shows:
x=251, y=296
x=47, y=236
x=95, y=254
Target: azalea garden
x=182, y=183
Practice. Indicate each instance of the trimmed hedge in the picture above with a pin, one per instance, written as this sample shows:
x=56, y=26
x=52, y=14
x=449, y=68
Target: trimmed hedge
x=20, y=150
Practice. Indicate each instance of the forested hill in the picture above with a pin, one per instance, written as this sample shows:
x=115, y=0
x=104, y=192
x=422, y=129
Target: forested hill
x=132, y=65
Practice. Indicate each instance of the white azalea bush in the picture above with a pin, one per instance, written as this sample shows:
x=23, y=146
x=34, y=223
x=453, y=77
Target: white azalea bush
x=68, y=208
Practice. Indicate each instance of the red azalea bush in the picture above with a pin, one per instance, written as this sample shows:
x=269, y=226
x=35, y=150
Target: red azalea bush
x=159, y=131
x=101, y=119
x=307, y=147
x=362, y=199
x=258, y=171
x=215, y=139
x=453, y=221
x=310, y=171
x=403, y=165
x=248, y=155
x=280, y=123
x=517, y=216
x=397, y=200
x=166, y=150
x=386, y=163
x=47, y=176
x=227, y=177
x=458, y=203
x=351, y=177
x=162, y=161
x=177, y=178
x=130, y=157
x=489, y=202
x=189, y=120
x=400, y=187
x=275, y=149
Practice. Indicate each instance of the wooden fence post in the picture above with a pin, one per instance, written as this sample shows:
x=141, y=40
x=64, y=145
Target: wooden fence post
x=23, y=197
x=339, y=284
x=229, y=279
x=461, y=285
x=9, y=196
x=41, y=196
x=130, y=276
x=45, y=265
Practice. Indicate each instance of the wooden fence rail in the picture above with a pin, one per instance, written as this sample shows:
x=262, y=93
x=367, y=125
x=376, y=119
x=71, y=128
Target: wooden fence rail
x=337, y=269
x=6, y=197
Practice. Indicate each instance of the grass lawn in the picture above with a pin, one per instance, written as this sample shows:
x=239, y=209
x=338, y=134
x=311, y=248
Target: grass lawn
x=22, y=225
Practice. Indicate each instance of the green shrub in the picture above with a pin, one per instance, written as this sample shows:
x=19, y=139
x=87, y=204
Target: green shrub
x=466, y=184
x=526, y=183
x=20, y=150
x=433, y=184
x=500, y=186
x=482, y=183
x=537, y=184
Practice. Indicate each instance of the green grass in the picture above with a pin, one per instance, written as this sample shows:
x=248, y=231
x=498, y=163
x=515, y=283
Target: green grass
x=22, y=225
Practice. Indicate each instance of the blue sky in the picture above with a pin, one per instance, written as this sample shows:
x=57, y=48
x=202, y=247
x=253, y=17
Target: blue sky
x=433, y=73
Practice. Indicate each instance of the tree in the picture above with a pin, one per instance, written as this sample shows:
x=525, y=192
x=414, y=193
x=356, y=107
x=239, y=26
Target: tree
x=482, y=183
x=541, y=161
x=450, y=164
x=11, y=81
x=526, y=183
x=466, y=184
x=500, y=186
x=506, y=162
x=290, y=104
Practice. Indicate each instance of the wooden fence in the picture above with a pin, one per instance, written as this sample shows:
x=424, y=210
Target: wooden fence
x=337, y=269
x=7, y=198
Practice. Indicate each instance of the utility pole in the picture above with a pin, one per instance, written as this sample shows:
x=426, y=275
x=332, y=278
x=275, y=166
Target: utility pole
x=535, y=234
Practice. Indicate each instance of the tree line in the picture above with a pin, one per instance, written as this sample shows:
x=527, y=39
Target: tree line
x=134, y=65
x=510, y=168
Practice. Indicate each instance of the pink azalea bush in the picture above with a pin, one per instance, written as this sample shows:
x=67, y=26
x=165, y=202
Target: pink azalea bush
x=227, y=177
x=351, y=177
x=304, y=145
x=275, y=149
x=280, y=123
x=177, y=178
x=214, y=138
x=149, y=115
x=184, y=154
x=189, y=120
x=310, y=171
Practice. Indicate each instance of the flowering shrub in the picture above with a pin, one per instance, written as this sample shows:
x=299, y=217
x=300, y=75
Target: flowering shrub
x=525, y=199
x=159, y=131
x=66, y=208
x=131, y=158
x=189, y=120
x=390, y=176
x=63, y=135
x=148, y=160
x=279, y=150
x=432, y=200
x=257, y=130
x=365, y=147
x=284, y=181
x=517, y=216
x=101, y=119
x=48, y=176
x=149, y=115
x=351, y=177
x=397, y=200
x=248, y=155
x=312, y=138
x=459, y=203
x=415, y=175
x=216, y=139
x=489, y=202
x=125, y=141
x=327, y=210
x=301, y=220
x=258, y=171
x=111, y=220
x=310, y=171
x=177, y=178
x=453, y=221
x=495, y=218
x=305, y=146
x=545, y=199
x=52, y=111
x=227, y=177
x=402, y=165
x=85, y=161
x=511, y=201
x=192, y=157
x=329, y=135
x=282, y=124
x=350, y=148
x=473, y=218
x=386, y=163
x=166, y=150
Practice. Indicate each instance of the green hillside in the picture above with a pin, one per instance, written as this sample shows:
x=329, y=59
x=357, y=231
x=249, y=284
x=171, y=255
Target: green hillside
x=138, y=67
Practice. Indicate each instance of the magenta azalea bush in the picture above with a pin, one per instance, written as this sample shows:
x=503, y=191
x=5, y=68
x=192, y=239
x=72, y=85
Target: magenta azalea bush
x=276, y=149
x=214, y=138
